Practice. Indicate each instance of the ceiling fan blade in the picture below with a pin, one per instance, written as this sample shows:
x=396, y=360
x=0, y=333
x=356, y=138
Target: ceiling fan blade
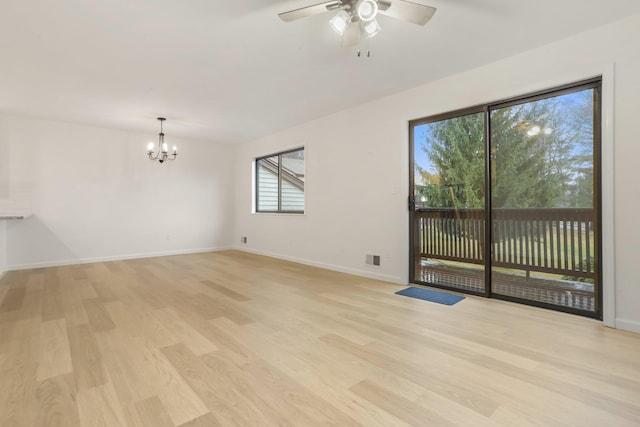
x=351, y=36
x=407, y=11
x=315, y=9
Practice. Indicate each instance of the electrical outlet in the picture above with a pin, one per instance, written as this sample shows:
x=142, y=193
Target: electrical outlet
x=243, y=239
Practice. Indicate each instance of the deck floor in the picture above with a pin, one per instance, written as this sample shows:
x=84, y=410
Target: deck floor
x=563, y=293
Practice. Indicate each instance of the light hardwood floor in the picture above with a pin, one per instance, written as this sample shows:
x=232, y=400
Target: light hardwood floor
x=234, y=339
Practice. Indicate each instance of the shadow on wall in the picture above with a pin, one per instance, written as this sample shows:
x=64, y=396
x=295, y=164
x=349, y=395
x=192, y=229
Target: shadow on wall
x=30, y=241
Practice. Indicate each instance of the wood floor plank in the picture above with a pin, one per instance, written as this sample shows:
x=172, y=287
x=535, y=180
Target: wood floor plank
x=106, y=291
x=224, y=401
x=230, y=293
x=180, y=328
x=17, y=388
x=126, y=364
x=51, y=307
x=99, y=318
x=313, y=366
x=134, y=320
x=84, y=288
x=152, y=413
x=13, y=299
x=88, y=369
x=73, y=308
x=179, y=399
x=56, y=402
x=399, y=406
x=457, y=392
x=316, y=410
x=220, y=309
x=55, y=352
x=98, y=406
x=206, y=420
x=22, y=344
x=235, y=339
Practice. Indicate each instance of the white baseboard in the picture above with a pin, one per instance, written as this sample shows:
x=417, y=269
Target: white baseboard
x=628, y=325
x=332, y=267
x=2, y=274
x=60, y=263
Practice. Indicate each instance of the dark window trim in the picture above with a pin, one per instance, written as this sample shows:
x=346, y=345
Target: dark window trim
x=282, y=174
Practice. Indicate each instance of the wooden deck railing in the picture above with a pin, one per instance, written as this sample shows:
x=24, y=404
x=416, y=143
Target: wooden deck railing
x=559, y=241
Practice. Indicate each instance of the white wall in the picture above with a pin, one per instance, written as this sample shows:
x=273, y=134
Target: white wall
x=3, y=249
x=357, y=163
x=95, y=195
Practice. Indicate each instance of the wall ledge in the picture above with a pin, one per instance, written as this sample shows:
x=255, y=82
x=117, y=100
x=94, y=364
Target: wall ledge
x=15, y=215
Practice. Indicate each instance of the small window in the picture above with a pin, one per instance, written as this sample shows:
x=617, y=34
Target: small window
x=280, y=182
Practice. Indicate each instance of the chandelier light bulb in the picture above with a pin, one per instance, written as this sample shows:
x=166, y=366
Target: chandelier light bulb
x=150, y=147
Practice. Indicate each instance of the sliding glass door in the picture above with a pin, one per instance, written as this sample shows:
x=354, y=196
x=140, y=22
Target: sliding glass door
x=543, y=199
x=535, y=237
x=448, y=174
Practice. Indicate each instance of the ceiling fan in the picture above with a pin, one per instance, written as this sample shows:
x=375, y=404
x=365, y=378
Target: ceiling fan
x=356, y=19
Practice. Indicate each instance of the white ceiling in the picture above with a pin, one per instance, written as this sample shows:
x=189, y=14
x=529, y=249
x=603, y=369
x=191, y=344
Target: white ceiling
x=232, y=71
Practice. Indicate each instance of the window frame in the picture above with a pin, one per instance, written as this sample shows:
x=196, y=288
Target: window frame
x=256, y=173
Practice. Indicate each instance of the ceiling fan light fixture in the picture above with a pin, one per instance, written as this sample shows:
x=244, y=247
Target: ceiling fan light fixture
x=367, y=10
x=340, y=21
x=371, y=28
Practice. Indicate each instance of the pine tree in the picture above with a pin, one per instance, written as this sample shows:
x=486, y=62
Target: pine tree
x=456, y=148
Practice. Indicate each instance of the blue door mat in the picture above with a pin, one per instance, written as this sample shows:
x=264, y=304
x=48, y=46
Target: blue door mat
x=429, y=295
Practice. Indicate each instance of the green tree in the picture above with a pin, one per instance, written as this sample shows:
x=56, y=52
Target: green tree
x=456, y=149
x=526, y=157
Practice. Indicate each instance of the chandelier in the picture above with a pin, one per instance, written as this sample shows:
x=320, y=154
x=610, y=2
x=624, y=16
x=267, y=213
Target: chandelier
x=163, y=149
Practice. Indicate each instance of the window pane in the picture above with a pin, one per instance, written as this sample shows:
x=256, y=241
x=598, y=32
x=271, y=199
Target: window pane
x=449, y=163
x=292, y=181
x=542, y=153
x=268, y=184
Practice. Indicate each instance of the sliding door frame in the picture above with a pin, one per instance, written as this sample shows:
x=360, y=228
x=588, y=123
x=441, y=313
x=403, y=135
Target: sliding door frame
x=595, y=83
x=413, y=239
